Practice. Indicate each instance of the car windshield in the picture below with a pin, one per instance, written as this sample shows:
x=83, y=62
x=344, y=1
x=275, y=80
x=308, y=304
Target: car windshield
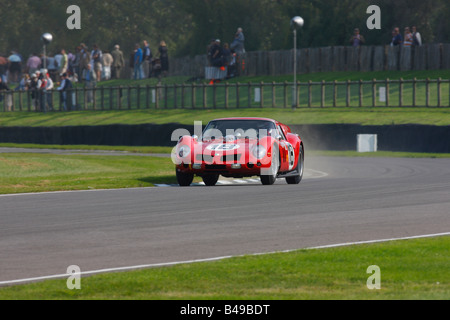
x=239, y=128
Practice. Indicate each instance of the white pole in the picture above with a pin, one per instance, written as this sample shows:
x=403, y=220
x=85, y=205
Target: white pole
x=294, y=93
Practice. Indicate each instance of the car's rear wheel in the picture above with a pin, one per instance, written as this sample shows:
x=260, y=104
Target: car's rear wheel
x=184, y=179
x=270, y=178
x=210, y=179
x=300, y=168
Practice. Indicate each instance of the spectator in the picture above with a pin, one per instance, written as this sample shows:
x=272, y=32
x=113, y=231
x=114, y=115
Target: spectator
x=70, y=60
x=85, y=58
x=118, y=61
x=64, y=62
x=15, y=68
x=48, y=89
x=58, y=62
x=226, y=55
x=417, y=38
x=238, y=46
x=24, y=83
x=97, y=62
x=216, y=54
x=3, y=68
x=408, y=38
x=4, y=87
x=65, y=92
x=33, y=63
x=107, y=61
x=147, y=59
x=164, y=57
x=357, y=39
x=44, y=85
x=76, y=62
x=396, y=37
x=33, y=88
x=91, y=83
x=209, y=51
x=52, y=67
x=138, y=62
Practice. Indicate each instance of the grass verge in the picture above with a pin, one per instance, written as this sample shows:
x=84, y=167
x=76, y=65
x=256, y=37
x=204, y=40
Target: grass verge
x=363, y=116
x=410, y=269
x=22, y=173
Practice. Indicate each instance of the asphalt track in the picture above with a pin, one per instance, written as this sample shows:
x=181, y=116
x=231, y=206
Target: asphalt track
x=359, y=199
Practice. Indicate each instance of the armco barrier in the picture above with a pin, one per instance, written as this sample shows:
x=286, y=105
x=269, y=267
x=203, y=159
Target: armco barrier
x=407, y=138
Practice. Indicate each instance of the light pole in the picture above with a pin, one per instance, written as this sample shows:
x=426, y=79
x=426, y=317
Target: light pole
x=46, y=38
x=296, y=22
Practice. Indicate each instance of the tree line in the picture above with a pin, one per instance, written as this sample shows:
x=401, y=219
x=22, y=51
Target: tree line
x=187, y=26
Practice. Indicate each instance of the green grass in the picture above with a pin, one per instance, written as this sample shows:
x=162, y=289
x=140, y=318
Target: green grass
x=22, y=173
x=363, y=116
x=410, y=269
x=128, y=149
x=140, y=109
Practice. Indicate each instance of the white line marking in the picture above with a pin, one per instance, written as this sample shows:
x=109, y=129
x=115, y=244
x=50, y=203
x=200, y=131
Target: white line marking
x=320, y=174
x=168, y=264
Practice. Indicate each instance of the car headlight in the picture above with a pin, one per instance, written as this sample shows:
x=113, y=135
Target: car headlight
x=184, y=151
x=259, y=152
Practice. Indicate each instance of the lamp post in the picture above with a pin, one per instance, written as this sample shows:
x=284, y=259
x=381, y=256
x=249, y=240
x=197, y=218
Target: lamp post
x=296, y=23
x=46, y=38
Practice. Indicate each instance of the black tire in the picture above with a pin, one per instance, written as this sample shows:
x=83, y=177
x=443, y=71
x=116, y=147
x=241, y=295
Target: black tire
x=210, y=179
x=184, y=179
x=270, y=179
x=300, y=168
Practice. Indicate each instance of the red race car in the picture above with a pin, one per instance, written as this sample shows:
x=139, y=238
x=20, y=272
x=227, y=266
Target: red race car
x=240, y=147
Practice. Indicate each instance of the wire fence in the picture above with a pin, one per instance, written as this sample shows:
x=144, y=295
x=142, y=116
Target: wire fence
x=373, y=93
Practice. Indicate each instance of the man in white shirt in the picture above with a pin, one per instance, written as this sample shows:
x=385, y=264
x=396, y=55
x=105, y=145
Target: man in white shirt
x=417, y=38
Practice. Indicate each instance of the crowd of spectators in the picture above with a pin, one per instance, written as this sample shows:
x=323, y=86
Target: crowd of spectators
x=41, y=74
x=226, y=55
x=106, y=65
x=411, y=37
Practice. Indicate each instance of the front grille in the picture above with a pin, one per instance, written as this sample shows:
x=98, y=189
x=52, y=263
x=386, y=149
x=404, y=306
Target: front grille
x=231, y=158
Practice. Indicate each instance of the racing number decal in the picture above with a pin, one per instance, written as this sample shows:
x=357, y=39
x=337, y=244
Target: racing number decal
x=291, y=156
x=223, y=147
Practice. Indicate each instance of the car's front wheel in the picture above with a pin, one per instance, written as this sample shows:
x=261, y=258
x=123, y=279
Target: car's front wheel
x=184, y=179
x=210, y=179
x=271, y=176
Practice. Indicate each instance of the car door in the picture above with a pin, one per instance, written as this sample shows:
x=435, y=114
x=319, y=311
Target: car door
x=287, y=154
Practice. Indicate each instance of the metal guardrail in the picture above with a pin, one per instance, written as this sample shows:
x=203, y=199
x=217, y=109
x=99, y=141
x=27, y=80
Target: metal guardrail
x=373, y=93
